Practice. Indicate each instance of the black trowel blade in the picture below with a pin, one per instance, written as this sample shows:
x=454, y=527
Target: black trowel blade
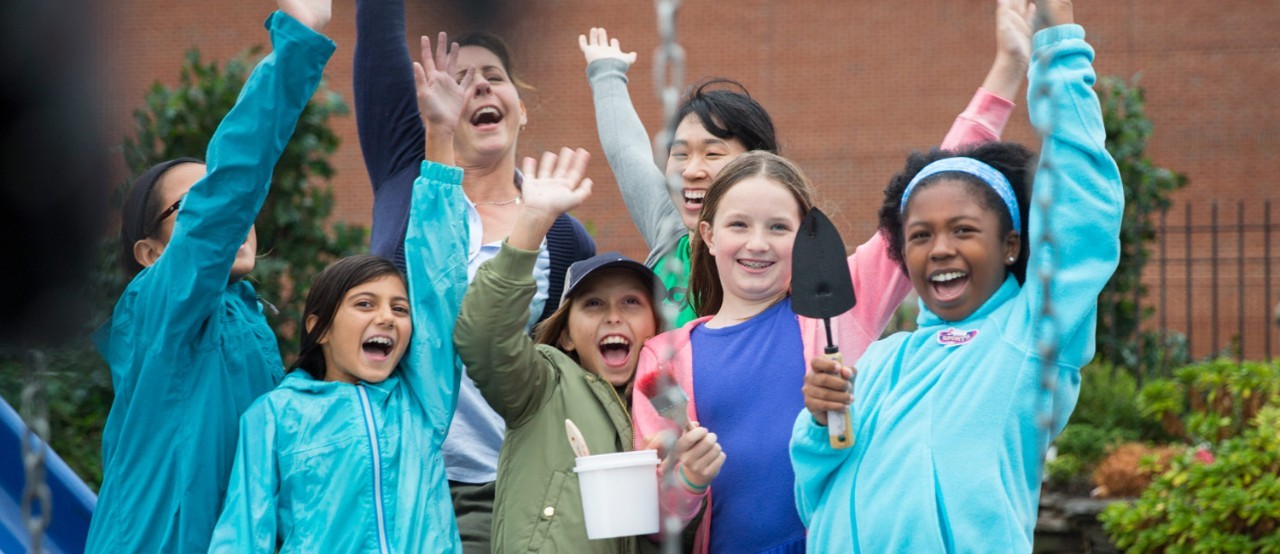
x=820, y=284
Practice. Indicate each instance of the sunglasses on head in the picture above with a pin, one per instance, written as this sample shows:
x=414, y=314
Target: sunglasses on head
x=151, y=229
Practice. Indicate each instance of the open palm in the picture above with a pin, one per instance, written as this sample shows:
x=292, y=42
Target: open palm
x=555, y=184
x=441, y=98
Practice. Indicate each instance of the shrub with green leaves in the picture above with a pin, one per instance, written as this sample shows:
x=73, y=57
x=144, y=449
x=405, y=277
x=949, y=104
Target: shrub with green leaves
x=1223, y=499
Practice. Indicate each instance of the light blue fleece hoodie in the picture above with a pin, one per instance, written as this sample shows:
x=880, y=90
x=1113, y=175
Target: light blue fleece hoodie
x=947, y=423
x=335, y=467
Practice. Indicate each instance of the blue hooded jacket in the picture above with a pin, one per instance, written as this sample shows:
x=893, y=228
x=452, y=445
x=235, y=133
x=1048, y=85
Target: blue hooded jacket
x=335, y=467
x=948, y=436
x=189, y=350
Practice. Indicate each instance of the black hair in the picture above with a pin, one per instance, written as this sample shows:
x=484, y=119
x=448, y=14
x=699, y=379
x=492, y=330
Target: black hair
x=141, y=207
x=323, y=300
x=1011, y=159
x=729, y=114
x=495, y=44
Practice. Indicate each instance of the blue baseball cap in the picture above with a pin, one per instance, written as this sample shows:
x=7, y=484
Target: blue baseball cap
x=581, y=269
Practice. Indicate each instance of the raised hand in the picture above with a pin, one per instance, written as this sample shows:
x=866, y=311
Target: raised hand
x=551, y=187
x=1055, y=12
x=700, y=459
x=1015, y=20
x=825, y=388
x=441, y=98
x=314, y=14
x=556, y=185
x=598, y=46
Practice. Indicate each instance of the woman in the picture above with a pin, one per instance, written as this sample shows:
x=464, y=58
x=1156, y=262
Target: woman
x=392, y=134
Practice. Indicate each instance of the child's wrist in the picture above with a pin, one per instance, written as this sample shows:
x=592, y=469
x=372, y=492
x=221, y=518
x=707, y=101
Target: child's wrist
x=687, y=484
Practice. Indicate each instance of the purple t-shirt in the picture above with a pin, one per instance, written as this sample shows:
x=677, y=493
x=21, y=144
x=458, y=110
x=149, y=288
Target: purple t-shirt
x=747, y=380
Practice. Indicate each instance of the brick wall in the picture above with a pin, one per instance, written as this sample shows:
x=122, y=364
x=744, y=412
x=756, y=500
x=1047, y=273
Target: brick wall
x=853, y=86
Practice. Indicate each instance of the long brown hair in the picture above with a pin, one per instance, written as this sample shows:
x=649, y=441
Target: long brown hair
x=706, y=293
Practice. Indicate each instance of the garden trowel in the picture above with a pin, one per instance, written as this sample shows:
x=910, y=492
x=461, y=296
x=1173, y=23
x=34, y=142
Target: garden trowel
x=822, y=289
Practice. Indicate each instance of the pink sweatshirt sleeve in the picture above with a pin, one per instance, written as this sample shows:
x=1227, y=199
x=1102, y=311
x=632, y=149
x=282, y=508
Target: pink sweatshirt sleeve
x=982, y=121
x=881, y=285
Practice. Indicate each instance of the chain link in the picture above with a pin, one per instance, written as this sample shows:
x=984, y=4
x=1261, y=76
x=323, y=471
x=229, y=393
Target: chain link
x=36, y=502
x=1046, y=177
x=668, y=79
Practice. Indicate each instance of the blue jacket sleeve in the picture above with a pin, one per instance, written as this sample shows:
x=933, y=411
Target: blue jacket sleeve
x=248, y=520
x=182, y=290
x=436, y=259
x=1086, y=201
x=815, y=463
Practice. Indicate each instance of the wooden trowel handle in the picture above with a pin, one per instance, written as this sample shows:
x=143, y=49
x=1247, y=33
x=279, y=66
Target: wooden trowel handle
x=839, y=424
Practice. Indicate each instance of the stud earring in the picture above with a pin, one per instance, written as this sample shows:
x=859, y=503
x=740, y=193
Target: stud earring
x=1012, y=259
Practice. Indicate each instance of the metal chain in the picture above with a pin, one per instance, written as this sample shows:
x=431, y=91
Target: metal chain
x=668, y=79
x=1046, y=325
x=36, y=502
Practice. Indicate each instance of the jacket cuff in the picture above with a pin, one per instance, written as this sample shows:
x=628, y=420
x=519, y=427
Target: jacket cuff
x=1055, y=34
x=513, y=263
x=283, y=25
x=605, y=67
x=440, y=173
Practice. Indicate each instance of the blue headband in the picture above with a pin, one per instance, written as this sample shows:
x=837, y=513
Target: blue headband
x=988, y=174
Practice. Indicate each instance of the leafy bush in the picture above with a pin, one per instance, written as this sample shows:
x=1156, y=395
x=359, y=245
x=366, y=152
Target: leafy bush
x=1223, y=499
x=1211, y=401
x=1147, y=191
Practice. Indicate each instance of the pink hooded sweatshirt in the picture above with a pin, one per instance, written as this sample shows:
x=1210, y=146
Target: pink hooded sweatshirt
x=881, y=286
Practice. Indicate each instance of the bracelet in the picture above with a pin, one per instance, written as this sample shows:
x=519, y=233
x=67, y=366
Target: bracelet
x=696, y=489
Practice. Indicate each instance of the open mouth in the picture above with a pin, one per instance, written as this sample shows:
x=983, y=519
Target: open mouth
x=615, y=350
x=486, y=116
x=378, y=348
x=693, y=199
x=948, y=285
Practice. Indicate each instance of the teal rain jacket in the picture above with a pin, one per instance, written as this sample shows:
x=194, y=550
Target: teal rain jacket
x=188, y=350
x=335, y=467
x=949, y=435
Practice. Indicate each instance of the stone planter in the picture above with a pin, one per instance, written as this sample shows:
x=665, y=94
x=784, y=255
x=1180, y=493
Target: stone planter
x=1069, y=524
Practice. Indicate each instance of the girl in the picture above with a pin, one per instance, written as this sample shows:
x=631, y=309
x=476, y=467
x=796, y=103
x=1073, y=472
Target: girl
x=483, y=129
x=344, y=456
x=579, y=368
x=187, y=343
x=947, y=422
x=716, y=125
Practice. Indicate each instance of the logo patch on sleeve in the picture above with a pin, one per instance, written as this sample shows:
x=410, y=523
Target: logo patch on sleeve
x=952, y=337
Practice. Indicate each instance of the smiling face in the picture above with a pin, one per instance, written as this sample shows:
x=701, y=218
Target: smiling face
x=369, y=333
x=697, y=156
x=751, y=236
x=955, y=252
x=609, y=321
x=493, y=114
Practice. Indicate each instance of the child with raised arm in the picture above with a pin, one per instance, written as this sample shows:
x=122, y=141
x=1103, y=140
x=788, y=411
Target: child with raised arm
x=579, y=367
x=717, y=124
x=346, y=455
x=187, y=343
x=948, y=419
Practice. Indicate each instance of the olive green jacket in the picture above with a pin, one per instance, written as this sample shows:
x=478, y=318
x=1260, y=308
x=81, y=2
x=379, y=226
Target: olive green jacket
x=538, y=507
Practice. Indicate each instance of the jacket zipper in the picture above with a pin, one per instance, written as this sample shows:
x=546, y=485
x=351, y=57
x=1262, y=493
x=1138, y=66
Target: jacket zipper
x=377, y=468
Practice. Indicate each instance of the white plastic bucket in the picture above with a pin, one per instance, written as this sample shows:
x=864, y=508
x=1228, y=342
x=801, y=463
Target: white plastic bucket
x=619, y=493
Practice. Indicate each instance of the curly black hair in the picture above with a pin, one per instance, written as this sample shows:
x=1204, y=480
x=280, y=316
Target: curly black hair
x=1013, y=160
